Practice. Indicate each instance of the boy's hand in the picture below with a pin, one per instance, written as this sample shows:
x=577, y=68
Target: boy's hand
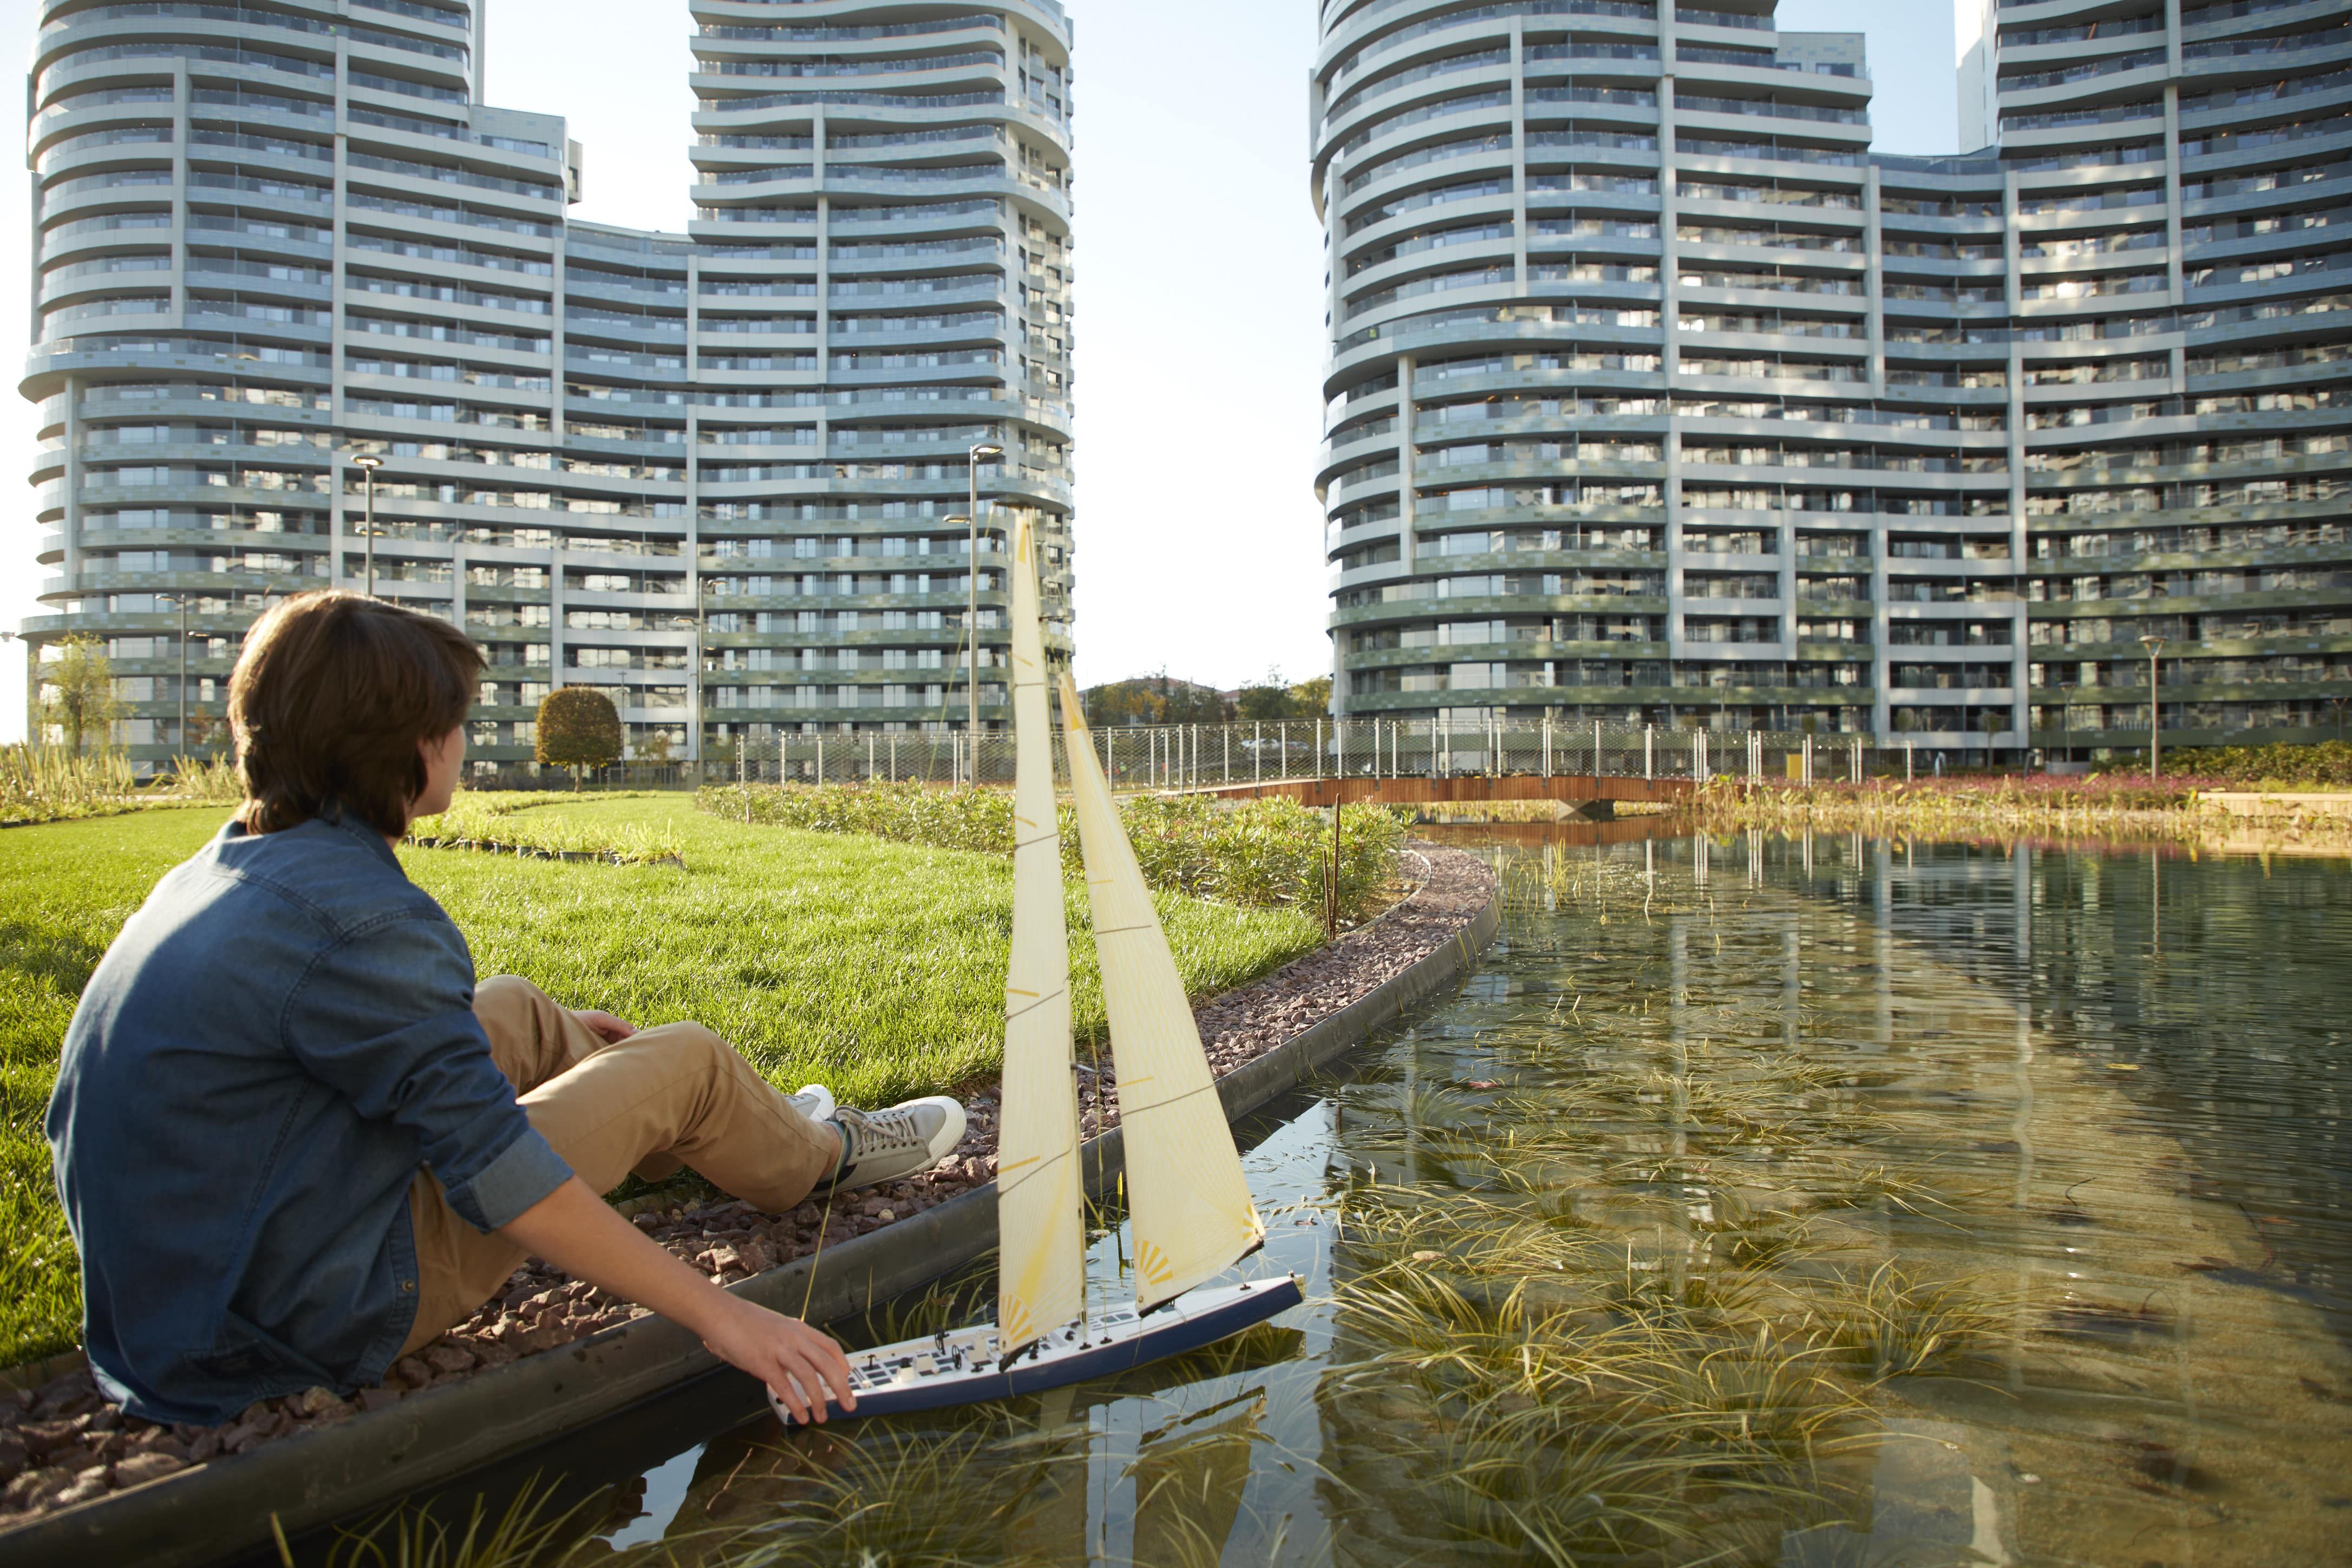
x=799, y=1364
x=578, y=1232
x=604, y=1023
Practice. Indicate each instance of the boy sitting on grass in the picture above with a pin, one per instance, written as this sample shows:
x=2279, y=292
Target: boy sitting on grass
x=295, y=1141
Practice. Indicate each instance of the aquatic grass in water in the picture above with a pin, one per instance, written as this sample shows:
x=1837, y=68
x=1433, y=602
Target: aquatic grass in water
x=1895, y=1324
x=1754, y=1203
x=1627, y=1302
x=530, y=1532
x=1001, y=1484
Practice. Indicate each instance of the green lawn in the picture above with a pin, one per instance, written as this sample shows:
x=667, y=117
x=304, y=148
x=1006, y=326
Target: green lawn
x=877, y=968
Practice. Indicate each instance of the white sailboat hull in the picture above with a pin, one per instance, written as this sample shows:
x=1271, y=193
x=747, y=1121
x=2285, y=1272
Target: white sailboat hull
x=962, y=1367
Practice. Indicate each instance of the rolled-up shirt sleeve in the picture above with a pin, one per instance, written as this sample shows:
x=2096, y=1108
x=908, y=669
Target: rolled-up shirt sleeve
x=386, y=1017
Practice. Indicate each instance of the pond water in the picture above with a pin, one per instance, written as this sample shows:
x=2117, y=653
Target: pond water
x=1758, y=1201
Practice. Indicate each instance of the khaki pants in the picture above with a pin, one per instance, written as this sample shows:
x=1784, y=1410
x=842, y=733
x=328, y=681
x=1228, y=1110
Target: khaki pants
x=663, y=1098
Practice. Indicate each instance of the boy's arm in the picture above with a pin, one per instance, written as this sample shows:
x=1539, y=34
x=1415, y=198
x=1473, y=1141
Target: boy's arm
x=578, y=1232
x=385, y=1018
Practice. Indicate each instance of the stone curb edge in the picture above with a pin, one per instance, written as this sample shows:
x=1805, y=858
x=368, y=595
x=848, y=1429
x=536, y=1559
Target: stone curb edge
x=213, y=1511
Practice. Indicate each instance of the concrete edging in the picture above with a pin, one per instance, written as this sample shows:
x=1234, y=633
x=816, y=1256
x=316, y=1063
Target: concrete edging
x=312, y=1479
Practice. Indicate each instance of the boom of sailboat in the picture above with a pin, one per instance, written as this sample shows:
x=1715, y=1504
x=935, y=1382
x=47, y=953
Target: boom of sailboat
x=1189, y=1204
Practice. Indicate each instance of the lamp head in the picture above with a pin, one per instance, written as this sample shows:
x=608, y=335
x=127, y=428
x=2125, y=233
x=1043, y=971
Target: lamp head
x=986, y=450
x=956, y=517
x=2151, y=643
x=367, y=461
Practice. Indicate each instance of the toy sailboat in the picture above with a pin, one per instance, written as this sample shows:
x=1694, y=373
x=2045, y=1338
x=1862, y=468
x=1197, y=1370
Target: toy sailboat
x=1189, y=1206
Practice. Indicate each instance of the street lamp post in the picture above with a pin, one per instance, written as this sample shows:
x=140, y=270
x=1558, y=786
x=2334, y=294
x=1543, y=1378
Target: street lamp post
x=2155, y=646
x=967, y=642
x=182, y=600
x=698, y=629
x=981, y=451
x=368, y=463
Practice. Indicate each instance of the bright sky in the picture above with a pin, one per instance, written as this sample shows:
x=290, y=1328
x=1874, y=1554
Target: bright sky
x=1200, y=299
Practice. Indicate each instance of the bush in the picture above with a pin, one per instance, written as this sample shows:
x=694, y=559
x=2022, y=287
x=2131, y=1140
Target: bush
x=976, y=820
x=1260, y=854
x=578, y=728
x=2328, y=764
x=509, y=820
x=50, y=784
x=1986, y=792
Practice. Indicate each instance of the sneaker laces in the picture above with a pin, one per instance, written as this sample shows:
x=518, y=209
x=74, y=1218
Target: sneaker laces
x=878, y=1132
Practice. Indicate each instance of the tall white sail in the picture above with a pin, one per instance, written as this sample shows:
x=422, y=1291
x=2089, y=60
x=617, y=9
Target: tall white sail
x=1192, y=1214
x=1041, y=1281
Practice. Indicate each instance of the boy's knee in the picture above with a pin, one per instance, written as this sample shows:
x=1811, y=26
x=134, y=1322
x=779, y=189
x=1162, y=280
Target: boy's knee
x=506, y=993
x=694, y=1038
x=690, y=1047
x=514, y=1014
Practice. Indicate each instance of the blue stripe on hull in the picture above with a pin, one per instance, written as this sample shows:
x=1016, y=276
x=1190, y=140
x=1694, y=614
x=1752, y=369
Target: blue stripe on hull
x=1173, y=1338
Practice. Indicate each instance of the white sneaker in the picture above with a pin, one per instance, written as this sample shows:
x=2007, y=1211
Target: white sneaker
x=884, y=1145
x=814, y=1101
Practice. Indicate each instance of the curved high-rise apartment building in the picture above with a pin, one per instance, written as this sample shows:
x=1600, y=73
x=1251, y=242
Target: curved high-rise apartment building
x=1654, y=396
x=709, y=471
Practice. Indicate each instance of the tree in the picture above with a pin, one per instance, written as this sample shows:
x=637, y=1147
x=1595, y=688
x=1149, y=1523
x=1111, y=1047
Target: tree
x=1265, y=699
x=1274, y=698
x=202, y=728
x=78, y=692
x=579, y=728
x=653, y=747
x=1158, y=698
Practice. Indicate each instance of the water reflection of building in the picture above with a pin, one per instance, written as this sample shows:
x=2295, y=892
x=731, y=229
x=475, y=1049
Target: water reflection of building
x=2212, y=989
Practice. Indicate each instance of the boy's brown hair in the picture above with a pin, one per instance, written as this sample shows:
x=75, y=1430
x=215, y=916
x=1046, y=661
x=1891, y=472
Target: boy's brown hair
x=330, y=696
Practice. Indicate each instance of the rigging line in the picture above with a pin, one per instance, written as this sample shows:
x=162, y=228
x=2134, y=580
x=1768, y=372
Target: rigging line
x=1044, y=1163
x=1033, y=1006
x=1209, y=1088
x=824, y=1224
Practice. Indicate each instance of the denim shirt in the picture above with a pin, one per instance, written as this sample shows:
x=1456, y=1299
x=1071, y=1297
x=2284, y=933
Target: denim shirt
x=276, y=1044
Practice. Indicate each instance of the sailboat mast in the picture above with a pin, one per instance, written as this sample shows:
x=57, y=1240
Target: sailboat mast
x=1042, y=1243
x=1192, y=1214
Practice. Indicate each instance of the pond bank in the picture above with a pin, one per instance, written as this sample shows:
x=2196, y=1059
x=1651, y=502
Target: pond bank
x=82, y=1478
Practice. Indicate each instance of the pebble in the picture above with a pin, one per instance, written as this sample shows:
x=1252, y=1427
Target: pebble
x=153, y=1467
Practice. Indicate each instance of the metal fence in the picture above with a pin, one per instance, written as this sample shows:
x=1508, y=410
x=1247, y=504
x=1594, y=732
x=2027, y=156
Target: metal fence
x=1209, y=756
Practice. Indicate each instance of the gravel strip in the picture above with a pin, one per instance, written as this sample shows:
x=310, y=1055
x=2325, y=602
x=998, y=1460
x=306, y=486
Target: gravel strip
x=63, y=1444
